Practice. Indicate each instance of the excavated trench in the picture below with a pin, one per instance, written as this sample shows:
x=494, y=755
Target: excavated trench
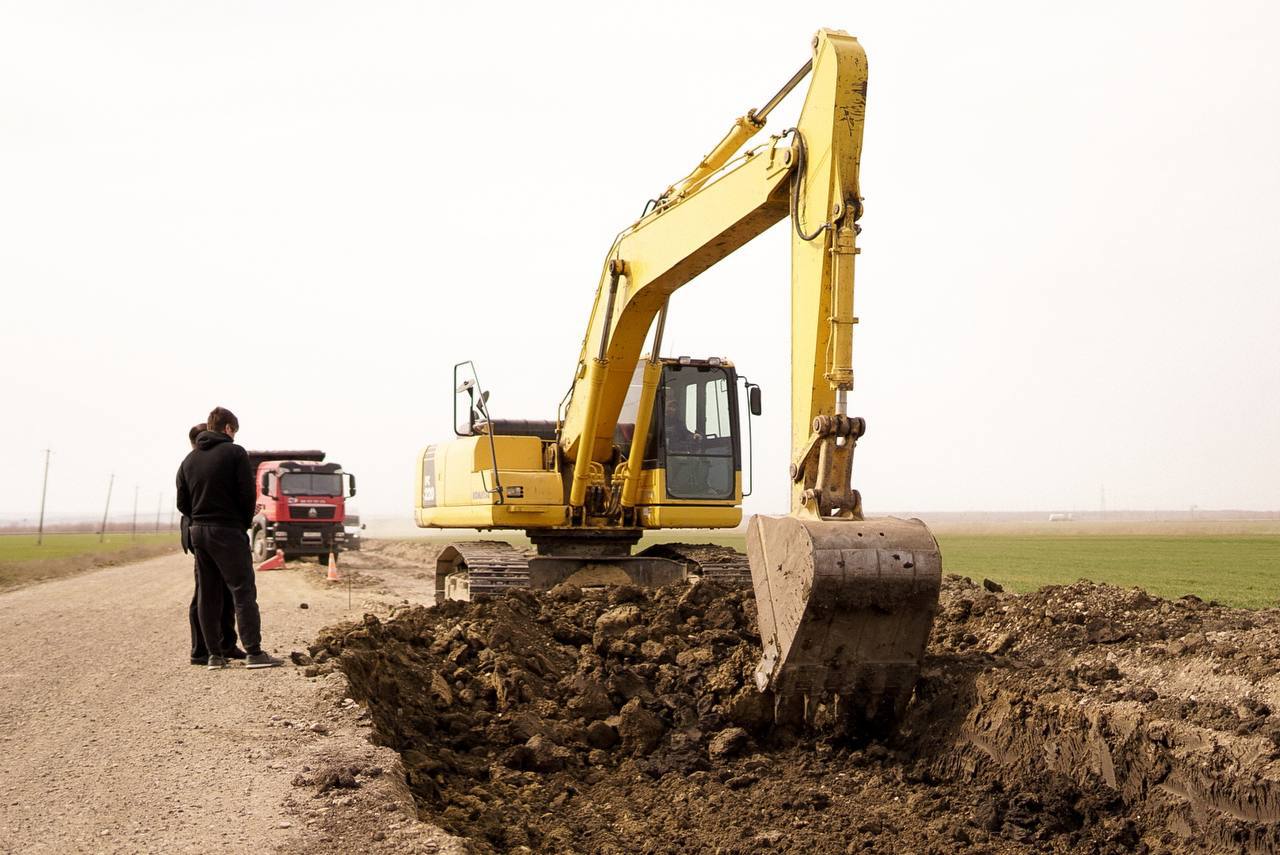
x=1075, y=719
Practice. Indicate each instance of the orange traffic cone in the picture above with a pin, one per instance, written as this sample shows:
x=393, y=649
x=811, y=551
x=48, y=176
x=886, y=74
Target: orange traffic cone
x=333, y=568
x=275, y=562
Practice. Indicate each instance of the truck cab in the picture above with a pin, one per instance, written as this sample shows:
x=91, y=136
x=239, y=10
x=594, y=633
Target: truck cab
x=301, y=505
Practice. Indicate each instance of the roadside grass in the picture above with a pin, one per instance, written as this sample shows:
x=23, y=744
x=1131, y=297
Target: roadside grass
x=23, y=562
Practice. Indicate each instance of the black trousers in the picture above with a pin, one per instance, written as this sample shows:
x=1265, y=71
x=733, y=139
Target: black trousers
x=223, y=559
x=200, y=649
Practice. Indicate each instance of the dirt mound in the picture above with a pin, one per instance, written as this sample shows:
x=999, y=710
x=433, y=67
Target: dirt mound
x=405, y=553
x=1082, y=718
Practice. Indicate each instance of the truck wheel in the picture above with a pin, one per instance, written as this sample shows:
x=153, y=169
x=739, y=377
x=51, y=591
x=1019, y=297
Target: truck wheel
x=323, y=559
x=259, y=546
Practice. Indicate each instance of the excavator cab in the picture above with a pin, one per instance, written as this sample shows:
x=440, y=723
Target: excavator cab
x=693, y=447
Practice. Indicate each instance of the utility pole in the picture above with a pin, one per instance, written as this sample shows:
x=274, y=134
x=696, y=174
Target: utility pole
x=44, y=489
x=134, y=534
x=159, y=506
x=1103, y=506
x=102, y=532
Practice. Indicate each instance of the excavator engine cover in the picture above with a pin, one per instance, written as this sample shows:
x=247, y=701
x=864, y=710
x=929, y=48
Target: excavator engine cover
x=845, y=608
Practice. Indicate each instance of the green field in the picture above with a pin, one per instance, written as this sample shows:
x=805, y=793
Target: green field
x=1238, y=569
x=23, y=547
x=23, y=562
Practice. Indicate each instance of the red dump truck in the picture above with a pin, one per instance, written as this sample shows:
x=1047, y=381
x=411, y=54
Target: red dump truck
x=301, y=505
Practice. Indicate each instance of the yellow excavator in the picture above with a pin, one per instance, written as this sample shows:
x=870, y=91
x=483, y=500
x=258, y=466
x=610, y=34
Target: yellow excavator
x=643, y=442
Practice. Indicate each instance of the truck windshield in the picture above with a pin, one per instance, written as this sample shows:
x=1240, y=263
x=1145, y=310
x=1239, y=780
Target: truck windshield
x=311, y=484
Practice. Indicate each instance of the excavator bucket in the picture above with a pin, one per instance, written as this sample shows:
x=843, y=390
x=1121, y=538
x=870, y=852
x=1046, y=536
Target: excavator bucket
x=845, y=608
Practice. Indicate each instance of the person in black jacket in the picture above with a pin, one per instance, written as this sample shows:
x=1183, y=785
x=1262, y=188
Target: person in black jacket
x=215, y=489
x=226, y=644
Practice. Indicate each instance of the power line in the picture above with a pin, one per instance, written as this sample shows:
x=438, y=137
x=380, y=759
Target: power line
x=102, y=532
x=44, y=489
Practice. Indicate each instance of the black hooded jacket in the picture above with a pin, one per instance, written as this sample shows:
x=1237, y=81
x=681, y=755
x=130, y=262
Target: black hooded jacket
x=215, y=483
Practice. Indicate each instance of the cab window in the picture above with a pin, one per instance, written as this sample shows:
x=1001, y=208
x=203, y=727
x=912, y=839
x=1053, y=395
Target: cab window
x=698, y=432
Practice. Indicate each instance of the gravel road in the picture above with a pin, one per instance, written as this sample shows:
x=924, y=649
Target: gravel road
x=110, y=741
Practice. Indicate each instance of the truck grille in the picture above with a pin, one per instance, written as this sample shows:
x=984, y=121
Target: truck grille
x=303, y=512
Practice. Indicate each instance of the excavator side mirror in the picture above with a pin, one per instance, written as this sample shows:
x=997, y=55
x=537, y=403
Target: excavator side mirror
x=753, y=400
x=464, y=395
x=266, y=484
x=351, y=485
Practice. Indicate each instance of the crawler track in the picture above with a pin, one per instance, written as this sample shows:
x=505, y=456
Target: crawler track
x=485, y=568
x=491, y=567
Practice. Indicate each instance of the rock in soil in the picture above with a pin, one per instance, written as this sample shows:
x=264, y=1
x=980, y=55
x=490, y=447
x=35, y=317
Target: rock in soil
x=1083, y=718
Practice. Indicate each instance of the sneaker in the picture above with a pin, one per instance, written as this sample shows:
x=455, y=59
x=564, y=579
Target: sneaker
x=199, y=660
x=262, y=660
x=216, y=662
x=235, y=653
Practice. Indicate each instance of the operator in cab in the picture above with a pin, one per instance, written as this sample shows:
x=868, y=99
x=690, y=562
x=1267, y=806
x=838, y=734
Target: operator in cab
x=680, y=439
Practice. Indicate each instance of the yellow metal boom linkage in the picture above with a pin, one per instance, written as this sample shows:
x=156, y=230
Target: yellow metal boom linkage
x=811, y=173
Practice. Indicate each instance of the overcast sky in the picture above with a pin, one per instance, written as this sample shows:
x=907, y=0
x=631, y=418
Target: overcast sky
x=307, y=212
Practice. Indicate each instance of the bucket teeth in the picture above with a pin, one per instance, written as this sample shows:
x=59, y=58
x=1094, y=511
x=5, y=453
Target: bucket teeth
x=845, y=608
